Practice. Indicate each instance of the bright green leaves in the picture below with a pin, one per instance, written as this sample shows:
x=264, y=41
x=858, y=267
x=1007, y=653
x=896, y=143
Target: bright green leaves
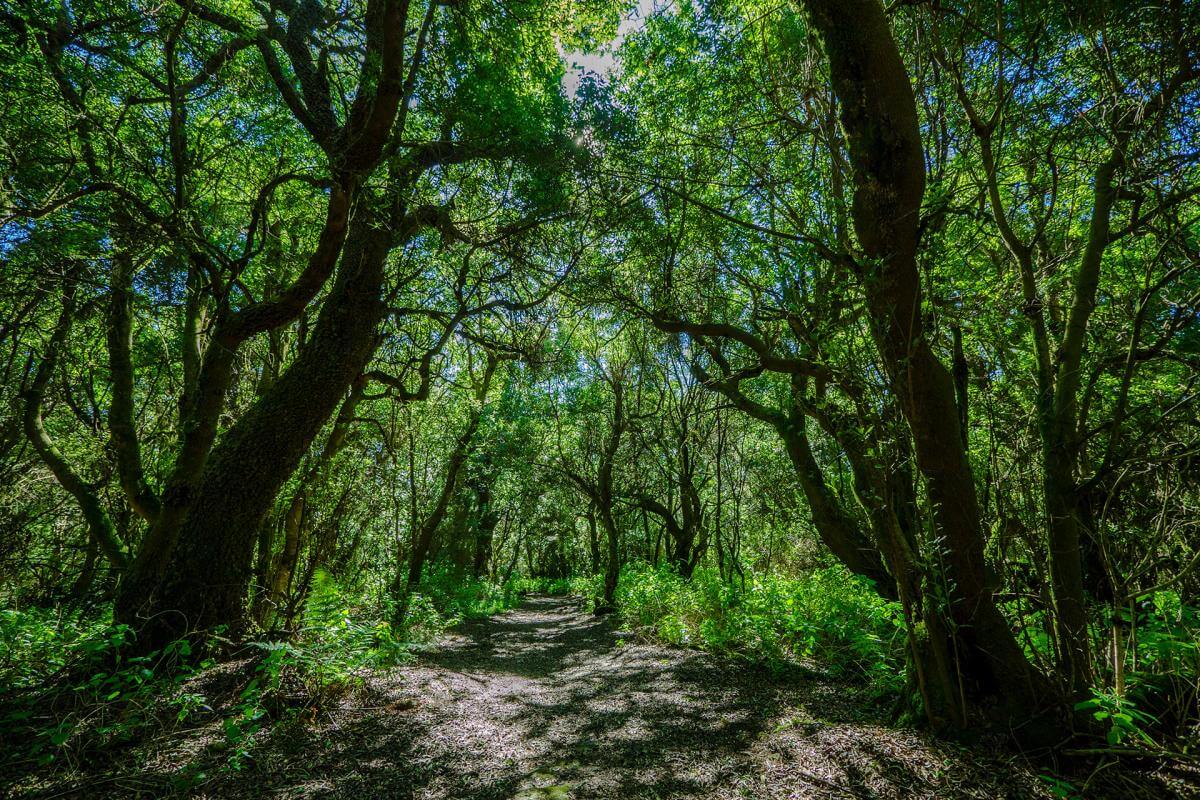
x=1125, y=724
x=826, y=616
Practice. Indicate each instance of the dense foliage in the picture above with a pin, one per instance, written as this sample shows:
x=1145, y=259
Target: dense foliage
x=821, y=332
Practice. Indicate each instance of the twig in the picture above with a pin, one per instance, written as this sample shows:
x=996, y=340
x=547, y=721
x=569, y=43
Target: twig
x=1133, y=752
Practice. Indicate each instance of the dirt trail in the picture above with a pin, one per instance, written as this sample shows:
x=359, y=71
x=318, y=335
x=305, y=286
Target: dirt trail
x=548, y=701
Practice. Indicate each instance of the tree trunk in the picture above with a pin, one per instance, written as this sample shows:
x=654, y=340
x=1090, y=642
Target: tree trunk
x=209, y=571
x=284, y=566
x=486, y=520
x=101, y=529
x=604, y=501
x=837, y=529
x=593, y=539
x=423, y=537
x=879, y=120
x=612, y=567
x=121, y=412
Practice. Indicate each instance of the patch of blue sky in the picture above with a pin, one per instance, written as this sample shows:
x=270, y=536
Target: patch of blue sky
x=605, y=60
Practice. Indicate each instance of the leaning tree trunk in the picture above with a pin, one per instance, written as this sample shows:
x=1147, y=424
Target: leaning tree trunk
x=404, y=587
x=101, y=529
x=835, y=526
x=206, y=581
x=879, y=120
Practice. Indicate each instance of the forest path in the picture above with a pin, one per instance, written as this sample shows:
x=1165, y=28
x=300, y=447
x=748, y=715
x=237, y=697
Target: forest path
x=548, y=702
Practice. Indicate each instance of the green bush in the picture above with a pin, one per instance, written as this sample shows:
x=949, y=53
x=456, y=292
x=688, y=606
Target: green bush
x=525, y=584
x=457, y=595
x=339, y=639
x=1119, y=716
x=70, y=686
x=1162, y=662
x=587, y=586
x=36, y=643
x=828, y=616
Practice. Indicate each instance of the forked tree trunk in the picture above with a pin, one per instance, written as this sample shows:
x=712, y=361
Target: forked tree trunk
x=205, y=582
x=879, y=121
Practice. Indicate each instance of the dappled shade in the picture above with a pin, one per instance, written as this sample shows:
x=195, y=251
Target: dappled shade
x=837, y=358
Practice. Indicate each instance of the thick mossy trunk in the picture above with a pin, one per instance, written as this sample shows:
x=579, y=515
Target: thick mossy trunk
x=205, y=582
x=879, y=121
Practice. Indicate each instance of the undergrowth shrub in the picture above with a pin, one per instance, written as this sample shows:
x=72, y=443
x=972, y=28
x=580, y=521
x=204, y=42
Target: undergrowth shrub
x=1162, y=670
x=827, y=616
x=586, y=586
x=455, y=595
x=36, y=643
x=337, y=642
x=1160, y=648
x=70, y=688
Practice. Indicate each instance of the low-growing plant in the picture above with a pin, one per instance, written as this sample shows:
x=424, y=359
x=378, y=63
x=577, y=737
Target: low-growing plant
x=1120, y=716
x=828, y=616
x=89, y=693
x=36, y=643
x=458, y=595
x=586, y=587
x=337, y=642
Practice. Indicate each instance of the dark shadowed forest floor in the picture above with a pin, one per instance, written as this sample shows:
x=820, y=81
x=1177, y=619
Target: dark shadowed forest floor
x=548, y=702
